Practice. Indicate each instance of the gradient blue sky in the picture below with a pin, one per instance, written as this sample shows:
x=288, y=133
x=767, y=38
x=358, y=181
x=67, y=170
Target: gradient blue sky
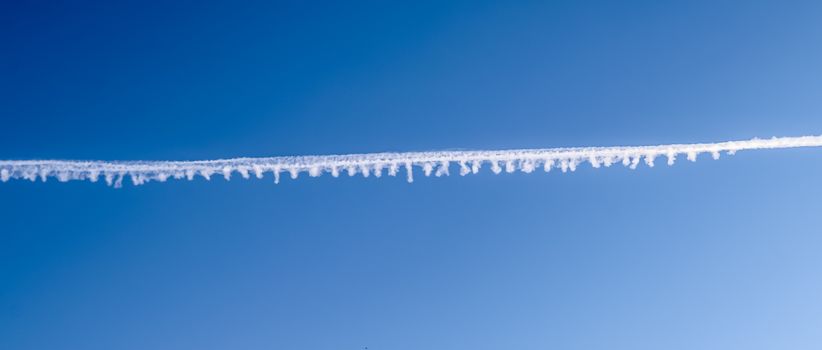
x=706, y=255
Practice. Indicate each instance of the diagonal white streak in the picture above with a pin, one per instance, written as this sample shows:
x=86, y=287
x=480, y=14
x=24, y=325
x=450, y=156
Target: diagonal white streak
x=379, y=164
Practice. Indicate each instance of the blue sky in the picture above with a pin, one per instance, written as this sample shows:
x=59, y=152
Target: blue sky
x=699, y=255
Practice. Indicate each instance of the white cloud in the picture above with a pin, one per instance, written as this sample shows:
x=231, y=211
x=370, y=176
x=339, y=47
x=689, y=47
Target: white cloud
x=436, y=163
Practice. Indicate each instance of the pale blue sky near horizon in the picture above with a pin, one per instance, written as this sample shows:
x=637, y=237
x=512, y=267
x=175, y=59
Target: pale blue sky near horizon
x=713, y=254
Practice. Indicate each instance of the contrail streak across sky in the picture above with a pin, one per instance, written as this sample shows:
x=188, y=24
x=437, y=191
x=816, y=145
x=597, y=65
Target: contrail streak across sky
x=378, y=164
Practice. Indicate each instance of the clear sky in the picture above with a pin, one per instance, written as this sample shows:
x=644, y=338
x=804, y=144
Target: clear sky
x=707, y=255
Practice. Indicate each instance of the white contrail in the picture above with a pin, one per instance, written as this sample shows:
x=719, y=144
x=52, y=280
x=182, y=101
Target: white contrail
x=378, y=164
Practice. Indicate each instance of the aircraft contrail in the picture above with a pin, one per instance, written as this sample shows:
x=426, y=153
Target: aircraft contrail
x=377, y=164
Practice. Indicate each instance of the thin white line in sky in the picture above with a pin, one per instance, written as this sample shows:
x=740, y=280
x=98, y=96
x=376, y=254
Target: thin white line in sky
x=379, y=164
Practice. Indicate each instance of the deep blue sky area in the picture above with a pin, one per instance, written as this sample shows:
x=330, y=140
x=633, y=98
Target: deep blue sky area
x=706, y=255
